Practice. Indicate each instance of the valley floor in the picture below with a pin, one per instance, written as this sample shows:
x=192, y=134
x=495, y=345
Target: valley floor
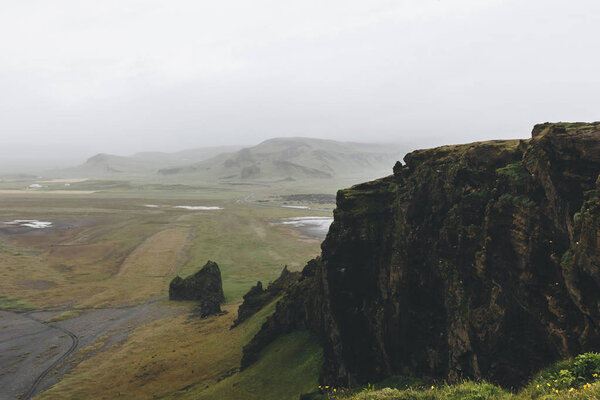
x=84, y=301
x=36, y=352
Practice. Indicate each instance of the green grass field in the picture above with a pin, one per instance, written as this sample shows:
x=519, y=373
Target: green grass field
x=107, y=249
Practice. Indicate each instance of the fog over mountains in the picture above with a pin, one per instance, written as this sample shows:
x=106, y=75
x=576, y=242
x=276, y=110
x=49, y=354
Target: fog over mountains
x=273, y=159
x=143, y=163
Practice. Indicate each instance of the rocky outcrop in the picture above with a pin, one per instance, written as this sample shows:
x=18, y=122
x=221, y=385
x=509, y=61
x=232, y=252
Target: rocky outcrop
x=471, y=261
x=205, y=287
x=257, y=297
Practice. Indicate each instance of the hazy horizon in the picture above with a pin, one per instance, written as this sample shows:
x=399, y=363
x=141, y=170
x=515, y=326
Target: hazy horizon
x=35, y=158
x=80, y=77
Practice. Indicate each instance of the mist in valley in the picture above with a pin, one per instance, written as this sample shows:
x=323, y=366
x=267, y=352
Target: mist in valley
x=226, y=200
x=80, y=78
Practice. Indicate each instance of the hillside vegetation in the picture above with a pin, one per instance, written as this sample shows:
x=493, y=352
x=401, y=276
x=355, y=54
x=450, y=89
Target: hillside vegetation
x=287, y=367
x=576, y=379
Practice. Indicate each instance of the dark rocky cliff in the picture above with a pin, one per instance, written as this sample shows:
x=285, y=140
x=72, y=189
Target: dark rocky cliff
x=205, y=287
x=471, y=261
x=257, y=297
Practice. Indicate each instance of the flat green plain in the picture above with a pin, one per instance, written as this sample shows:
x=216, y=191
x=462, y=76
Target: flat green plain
x=109, y=248
x=116, y=244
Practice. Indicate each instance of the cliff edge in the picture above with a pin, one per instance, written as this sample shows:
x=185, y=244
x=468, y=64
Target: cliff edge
x=472, y=261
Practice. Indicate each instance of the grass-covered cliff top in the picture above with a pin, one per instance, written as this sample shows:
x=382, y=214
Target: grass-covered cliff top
x=542, y=129
x=481, y=151
x=454, y=153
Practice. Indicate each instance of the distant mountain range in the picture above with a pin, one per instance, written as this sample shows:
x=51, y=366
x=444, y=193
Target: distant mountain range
x=271, y=160
x=145, y=163
x=295, y=158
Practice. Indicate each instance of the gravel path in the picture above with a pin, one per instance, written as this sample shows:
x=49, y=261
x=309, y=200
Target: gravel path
x=34, y=355
x=27, y=348
x=38, y=380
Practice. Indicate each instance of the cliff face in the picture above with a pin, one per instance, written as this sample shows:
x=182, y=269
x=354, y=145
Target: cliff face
x=470, y=261
x=257, y=297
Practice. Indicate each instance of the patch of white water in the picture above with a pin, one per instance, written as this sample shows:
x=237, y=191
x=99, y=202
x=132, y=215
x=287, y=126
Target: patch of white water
x=151, y=205
x=30, y=223
x=311, y=226
x=199, y=207
x=298, y=207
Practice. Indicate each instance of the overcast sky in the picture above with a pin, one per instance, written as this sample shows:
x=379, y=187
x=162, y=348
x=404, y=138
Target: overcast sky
x=82, y=77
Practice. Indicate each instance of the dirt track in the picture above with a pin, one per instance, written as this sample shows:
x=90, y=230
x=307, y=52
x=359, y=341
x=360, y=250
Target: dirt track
x=27, y=349
x=34, y=355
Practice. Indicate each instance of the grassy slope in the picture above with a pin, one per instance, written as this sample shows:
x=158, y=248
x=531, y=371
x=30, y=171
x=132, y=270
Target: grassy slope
x=164, y=356
x=7, y=303
x=287, y=368
x=578, y=378
x=472, y=391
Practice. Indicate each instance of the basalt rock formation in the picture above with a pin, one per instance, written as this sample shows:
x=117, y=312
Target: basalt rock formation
x=205, y=287
x=472, y=261
x=257, y=297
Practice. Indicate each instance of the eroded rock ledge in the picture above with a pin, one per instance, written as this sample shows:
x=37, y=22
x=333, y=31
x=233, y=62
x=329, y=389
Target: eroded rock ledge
x=471, y=261
x=257, y=297
x=205, y=287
